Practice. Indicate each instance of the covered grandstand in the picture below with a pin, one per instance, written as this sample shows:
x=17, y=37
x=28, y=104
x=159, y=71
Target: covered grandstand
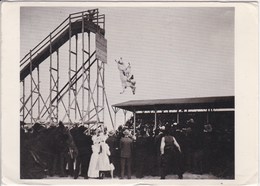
x=204, y=128
x=179, y=107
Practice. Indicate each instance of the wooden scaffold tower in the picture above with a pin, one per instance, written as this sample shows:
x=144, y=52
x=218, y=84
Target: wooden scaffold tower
x=73, y=56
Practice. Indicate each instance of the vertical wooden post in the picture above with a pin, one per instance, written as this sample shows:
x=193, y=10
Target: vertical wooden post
x=178, y=116
x=51, y=110
x=88, y=77
x=57, y=84
x=39, y=101
x=69, y=72
x=115, y=111
x=207, y=115
x=155, y=118
x=83, y=69
x=124, y=115
x=31, y=86
x=23, y=101
x=76, y=69
x=134, y=121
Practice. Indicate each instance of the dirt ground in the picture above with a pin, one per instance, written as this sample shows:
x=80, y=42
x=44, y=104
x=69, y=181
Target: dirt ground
x=185, y=176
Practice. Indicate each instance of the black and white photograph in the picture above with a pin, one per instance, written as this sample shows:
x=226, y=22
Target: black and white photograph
x=128, y=93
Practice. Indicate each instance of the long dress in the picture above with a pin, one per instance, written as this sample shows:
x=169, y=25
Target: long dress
x=93, y=170
x=103, y=159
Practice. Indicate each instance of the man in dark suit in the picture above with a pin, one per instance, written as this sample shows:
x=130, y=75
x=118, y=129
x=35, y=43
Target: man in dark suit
x=141, y=154
x=113, y=144
x=83, y=143
x=126, y=151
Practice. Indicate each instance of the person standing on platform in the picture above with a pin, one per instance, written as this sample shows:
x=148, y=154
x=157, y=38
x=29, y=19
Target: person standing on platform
x=126, y=151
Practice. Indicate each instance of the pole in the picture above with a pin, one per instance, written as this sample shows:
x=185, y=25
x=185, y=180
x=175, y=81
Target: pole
x=155, y=118
x=115, y=117
x=50, y=116
x=58, y=78
x=88, y=74
x=124, y=116
x=69, y=99
x=134, y=121
x=23, y=100
x=103, y=90
x=39, y=101
x=31, y=86
x=76, y=69
x=98, y=86
x=207, y=115
x=83, y=69
x=178, y=116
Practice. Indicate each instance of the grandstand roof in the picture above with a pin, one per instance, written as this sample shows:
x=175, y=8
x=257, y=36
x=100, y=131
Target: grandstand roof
x=178, y=103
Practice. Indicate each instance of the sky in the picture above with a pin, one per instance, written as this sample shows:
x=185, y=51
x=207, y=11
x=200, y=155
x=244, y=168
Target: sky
x=175, y=52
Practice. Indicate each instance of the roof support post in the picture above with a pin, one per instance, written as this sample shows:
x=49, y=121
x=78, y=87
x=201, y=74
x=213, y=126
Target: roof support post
x=207, y=115
x=115, y=111
x=115, y=119
x=125, y=111
x=155, y=119
x=134, y=121
x=178, y=117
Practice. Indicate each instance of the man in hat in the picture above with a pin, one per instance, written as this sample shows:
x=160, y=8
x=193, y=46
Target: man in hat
x=159, y=133
x=126, y=151
x=113, y=144
x=141, y=154
x=83, y=143
x=168, y=155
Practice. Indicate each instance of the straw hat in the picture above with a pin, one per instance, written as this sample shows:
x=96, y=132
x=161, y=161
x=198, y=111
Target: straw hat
x=126, y=132
x=111, y=133
x=42, y=121
x=162, y=128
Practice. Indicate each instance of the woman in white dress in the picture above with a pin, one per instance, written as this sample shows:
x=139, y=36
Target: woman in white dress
x=103, y=159
x=93, y=170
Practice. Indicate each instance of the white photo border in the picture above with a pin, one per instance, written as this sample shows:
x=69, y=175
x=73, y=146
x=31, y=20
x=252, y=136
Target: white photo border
x=246, y=93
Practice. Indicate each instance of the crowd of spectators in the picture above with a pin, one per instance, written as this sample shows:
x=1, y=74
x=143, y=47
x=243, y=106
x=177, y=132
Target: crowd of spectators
x=67, y=150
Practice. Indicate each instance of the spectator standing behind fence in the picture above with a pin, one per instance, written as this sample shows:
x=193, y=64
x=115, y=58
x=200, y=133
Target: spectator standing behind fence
x=167, y=153
x=126, y=151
